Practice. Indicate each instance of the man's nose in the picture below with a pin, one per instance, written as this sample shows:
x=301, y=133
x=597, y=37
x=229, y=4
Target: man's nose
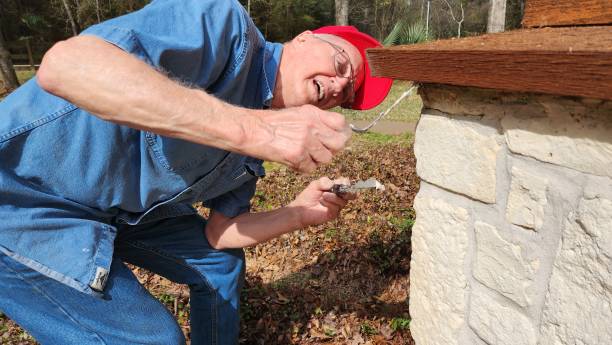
x=339, y=84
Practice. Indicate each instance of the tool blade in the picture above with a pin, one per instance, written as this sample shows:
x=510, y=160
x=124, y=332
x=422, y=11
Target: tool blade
x=370, y=183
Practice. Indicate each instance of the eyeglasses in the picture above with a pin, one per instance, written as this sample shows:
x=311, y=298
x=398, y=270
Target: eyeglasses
x=344, y=69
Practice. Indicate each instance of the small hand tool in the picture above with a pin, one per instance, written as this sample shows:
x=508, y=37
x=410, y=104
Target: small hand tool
x=370, y=183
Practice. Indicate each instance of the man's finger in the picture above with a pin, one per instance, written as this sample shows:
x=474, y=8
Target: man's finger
x=324, y=183
x=306, y=166
x=335, y=199
x=333, y=120
x=334, y=141
x=331, y=207
x=342, y=180
x=348, y=196
x=321, y=155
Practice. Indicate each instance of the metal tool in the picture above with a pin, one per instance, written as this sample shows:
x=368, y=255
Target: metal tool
x=370, y=183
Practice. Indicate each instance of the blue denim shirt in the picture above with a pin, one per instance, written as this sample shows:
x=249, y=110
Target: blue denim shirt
x=67, y=177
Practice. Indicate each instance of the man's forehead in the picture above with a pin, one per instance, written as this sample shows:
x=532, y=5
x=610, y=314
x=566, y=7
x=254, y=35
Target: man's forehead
x=341, y=42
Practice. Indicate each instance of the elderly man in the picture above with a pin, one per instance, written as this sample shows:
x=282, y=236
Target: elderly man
x=129, y=124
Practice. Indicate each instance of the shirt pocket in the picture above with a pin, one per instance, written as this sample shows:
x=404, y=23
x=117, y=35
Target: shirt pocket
x=240, y=188
x=238, y=170
x=180, y=156
x=214, y=183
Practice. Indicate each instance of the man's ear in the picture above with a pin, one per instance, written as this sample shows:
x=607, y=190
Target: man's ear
x=303, y=36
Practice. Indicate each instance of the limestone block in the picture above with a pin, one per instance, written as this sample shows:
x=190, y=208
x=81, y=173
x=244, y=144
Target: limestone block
x=452, y=154
x=566, y=135
x=498, y=324
x=501, y=265
x=438, y=290
x=475, y=101
x=527, y=199
x=578, y=306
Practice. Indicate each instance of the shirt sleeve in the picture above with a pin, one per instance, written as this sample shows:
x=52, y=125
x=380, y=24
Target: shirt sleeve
x=195, y=41
x=235, y=202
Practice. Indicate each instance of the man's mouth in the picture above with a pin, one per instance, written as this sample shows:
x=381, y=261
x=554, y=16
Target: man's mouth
x=320, y=89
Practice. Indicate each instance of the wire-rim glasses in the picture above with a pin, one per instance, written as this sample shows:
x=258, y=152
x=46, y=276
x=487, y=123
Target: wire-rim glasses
x=344, y=69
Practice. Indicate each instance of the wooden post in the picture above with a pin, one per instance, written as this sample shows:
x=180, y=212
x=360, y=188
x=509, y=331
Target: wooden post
x=540, y=13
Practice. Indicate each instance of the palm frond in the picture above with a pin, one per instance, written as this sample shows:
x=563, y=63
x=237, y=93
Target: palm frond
x=405, y=32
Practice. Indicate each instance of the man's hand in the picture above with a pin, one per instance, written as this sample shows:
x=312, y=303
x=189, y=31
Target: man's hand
x=301, y=138
x=316, y=205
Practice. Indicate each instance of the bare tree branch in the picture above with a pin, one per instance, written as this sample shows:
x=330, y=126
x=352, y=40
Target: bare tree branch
x=73, y=23
x=459, y=22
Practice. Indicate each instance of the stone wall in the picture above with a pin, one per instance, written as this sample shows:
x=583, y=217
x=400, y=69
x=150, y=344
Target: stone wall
x=513, y=239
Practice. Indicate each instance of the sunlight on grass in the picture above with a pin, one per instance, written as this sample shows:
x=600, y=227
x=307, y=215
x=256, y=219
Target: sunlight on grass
x=271, y=166
x=25, y=75
x=22, y=76
x=408, y=110
x=380, y=138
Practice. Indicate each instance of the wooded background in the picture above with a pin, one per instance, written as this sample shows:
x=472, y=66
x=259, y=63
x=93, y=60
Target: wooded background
x=29, y=27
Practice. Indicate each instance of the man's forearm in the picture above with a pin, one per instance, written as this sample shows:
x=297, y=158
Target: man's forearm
x=118, y=87
x=250, y=229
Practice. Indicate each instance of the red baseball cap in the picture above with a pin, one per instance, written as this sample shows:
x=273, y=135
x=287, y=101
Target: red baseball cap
x=373, y=90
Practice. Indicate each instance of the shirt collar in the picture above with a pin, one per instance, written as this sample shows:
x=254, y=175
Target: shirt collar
x=272, y=57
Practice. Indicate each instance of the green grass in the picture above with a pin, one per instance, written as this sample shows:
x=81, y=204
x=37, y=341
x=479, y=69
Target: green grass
x=380, y=138
x=24, y=76
x=272, y=166
x=400, y=323
x=367, y=329
x=408, y=110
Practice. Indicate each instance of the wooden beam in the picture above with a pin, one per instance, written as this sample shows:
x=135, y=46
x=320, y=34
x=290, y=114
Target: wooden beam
x=562, y=61
x=539, y=13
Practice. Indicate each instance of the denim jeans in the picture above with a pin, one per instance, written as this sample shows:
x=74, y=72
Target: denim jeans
x=174, y=248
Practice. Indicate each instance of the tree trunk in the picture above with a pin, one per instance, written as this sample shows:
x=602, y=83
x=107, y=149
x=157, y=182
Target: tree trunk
x=77, y=6
x=342, y=11
x=7, y=71
x=98, y=10
x=29, y=49
x=497, y=16
x=427, y=20
x=73, y=23
x=366, y=17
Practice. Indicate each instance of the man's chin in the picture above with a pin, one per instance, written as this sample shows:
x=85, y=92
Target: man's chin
x=326, y=106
